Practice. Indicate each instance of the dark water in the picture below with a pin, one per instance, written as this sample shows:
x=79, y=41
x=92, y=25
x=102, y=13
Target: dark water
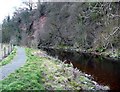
x=103, y=71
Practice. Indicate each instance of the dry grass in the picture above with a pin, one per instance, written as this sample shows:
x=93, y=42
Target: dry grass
x=60, y=76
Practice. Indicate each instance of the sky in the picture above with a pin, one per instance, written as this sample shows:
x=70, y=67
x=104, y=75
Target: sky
x=7, y=7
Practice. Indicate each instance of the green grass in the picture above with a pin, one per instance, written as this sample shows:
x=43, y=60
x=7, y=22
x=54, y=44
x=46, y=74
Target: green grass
x=40, y=73
x=27, y=77
x=9, y=58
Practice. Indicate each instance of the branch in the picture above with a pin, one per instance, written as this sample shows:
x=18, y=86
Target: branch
x=116, y=29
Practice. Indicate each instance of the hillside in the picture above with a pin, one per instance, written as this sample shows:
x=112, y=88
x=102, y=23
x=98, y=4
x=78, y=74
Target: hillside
x=87, y=26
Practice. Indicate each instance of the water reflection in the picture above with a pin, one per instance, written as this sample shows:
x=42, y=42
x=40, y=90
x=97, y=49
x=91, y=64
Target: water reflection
x=103, y=71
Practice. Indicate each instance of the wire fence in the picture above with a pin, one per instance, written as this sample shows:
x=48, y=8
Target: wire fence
x=5, y=50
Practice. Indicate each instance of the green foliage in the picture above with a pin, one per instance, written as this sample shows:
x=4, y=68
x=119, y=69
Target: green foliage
x=94, y=15
x=27, y=77
x=9, y=58
x=90, y=49
x=63, y=46
x=25, y=16
x=100, y=49
x=7, y=30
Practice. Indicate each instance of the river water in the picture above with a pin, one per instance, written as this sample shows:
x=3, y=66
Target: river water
x=105, y=72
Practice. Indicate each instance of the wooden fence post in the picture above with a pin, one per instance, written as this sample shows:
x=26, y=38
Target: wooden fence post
x=9, y=49
x=12, y=46
x=4, y=52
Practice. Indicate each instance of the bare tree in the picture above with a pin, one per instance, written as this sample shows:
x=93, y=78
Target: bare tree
x=30, y=4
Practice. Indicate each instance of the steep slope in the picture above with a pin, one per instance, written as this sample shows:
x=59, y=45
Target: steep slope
x=89, y=26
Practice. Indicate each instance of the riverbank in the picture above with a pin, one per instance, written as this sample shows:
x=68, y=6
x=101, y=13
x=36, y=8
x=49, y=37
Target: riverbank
x=95, y=65
x=108, y=54
x=61, y=76
x=42, y=72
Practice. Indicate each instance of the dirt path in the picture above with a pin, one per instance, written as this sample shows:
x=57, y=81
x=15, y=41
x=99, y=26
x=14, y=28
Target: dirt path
x=16, y=63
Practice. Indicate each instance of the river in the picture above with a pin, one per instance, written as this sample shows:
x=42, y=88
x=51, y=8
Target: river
x=105, y=72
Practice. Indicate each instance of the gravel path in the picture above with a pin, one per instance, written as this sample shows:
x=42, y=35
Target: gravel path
x=16, y=63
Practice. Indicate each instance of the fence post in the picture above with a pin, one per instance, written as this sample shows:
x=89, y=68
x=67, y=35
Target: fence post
x=4, y=52
x=12, y=46
x=9, y=49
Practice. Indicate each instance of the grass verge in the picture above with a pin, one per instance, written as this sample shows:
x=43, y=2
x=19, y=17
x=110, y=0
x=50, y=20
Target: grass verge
x=42, y=72
x=9, y=58
x=27, y=77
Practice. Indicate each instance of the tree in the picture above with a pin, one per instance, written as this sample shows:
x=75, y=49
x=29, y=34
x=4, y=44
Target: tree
x=30, y=4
